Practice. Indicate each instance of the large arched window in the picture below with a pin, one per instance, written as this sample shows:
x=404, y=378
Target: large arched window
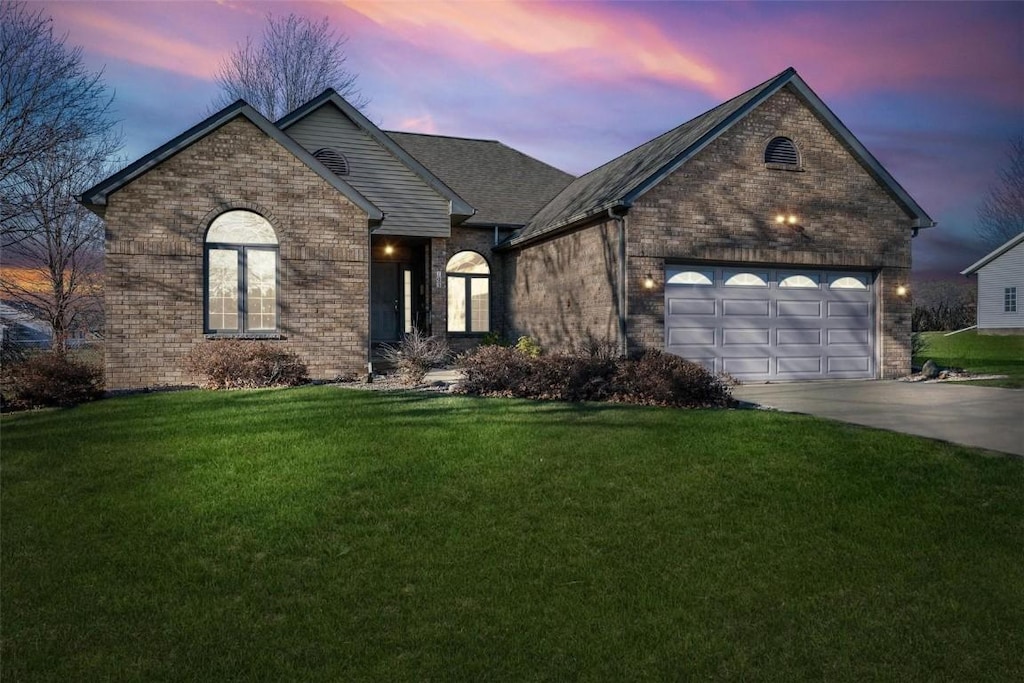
x=241, y=274
x=469, y=298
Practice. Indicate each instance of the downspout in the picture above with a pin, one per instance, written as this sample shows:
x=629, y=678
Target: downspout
x=369, y=305
x=623, y=291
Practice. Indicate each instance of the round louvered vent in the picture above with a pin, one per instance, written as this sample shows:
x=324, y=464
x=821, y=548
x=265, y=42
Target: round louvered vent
x=781, y=151
x=333, y=160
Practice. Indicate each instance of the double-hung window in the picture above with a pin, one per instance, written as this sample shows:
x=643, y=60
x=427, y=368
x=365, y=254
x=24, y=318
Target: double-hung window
x=1010, y=300
x=241, y=275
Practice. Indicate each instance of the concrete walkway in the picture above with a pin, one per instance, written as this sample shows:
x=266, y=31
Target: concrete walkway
x=984, y=417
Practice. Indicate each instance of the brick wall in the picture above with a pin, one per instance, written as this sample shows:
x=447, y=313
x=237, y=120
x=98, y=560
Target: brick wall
x=721, y=206
x=563, y=291
x=154, y=264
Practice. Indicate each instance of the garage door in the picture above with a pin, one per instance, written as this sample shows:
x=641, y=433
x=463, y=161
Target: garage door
x=772, y=324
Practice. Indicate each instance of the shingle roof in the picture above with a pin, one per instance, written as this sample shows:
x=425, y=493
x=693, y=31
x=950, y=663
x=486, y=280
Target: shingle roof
x=622, y=180
x=95, y=198
x=504, y=185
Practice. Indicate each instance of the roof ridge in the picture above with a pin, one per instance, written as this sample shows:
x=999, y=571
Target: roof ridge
x=688, y=121
x=438, y=135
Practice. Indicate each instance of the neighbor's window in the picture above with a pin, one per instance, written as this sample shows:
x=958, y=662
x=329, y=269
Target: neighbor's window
x=1010, y=300
x=241, y=274
x=469, y=300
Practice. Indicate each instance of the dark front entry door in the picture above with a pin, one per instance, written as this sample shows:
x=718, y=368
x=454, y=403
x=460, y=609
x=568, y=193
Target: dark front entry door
x=385, y=302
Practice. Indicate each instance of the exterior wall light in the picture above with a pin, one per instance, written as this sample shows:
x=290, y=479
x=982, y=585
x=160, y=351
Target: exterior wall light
x=388, y=249
x=901, y=290
x=783, y=219
x=648, y=282
x=792, y=219
x=780, y=219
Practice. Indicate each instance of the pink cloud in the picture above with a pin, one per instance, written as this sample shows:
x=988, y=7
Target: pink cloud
x=141, y=38
x=423, y=123
x=579, y=40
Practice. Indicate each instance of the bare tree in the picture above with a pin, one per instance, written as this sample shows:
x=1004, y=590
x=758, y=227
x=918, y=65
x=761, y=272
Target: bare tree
x=48, y=99
x=56, y=268
x=295, y=60
x=57, y=137
x=1001, y=215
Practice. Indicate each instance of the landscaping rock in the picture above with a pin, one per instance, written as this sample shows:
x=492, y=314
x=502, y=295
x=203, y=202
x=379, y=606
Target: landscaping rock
x=930, y=370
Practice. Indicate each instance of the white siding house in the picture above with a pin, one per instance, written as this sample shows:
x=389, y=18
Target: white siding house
x=1000, y=288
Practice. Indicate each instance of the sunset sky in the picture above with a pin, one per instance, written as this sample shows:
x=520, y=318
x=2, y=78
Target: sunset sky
x=934, y=90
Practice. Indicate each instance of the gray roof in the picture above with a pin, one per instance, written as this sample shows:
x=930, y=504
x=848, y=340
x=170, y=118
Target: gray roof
x=618, y=183
x=95, y=198
x=504, y=185
x=993, y=255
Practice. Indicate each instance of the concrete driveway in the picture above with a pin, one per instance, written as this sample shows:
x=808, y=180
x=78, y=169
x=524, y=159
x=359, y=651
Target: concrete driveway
x=984, y=417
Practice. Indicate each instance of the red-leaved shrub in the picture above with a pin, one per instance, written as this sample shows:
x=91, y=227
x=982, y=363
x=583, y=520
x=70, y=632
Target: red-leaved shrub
x=244, y=364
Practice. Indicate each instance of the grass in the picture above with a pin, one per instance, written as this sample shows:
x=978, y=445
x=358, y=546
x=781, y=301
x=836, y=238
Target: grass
x=326, y=534
x=978, y=353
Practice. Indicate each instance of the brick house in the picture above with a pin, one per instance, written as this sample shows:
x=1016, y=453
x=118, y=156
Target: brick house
x=760, y=238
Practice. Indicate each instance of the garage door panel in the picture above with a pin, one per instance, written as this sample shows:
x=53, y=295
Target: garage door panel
x=798, y=309
x=774, y=332
x=745, y=308
x=739, y=366
x=801, y=365
x=745, y=336
x=859, y=336
x=683, y=336
x=680, y=306
x=848, y=309
x=792, y=336
x=848, y=363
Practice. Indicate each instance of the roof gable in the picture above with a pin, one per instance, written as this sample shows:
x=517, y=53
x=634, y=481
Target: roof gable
x=95, y=198
x=506, y=186
x=993, y=255
x=459, y=206
x=620, y=182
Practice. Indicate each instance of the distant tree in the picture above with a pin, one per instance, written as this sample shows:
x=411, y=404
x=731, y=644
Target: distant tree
x=57, y=137
x=1001, y=215
x=294, y=61
x=49, y=100
x=56, y=266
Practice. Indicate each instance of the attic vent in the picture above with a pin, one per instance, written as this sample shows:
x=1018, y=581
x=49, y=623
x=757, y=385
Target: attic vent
x=781, y=151
x=335, y=161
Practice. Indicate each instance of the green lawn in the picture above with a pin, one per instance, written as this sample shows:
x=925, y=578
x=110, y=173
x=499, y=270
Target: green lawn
x=979, y=353
x=326, y=534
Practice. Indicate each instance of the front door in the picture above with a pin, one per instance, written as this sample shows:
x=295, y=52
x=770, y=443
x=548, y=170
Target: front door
x=385, y=302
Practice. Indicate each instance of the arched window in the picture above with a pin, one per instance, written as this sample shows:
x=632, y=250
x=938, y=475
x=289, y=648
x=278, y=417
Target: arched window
x=469, y=297
x=781, y=151
x=241, y=274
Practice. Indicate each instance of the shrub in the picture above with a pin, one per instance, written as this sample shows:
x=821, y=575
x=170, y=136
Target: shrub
x=241, y=364
x=653, y=379
x=416, y=354
x=50, y=378
x=528, y=346
x=661, y=379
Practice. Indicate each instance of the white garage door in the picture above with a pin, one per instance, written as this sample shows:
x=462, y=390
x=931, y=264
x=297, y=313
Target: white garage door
x=772, y=324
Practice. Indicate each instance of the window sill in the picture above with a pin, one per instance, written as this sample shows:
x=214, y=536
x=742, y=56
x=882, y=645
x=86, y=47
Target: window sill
x=783, y=167
x=243, y=335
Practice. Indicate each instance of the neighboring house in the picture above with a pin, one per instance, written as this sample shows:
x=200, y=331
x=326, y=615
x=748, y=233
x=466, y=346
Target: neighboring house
x=1000, y=283
x=20, y=325
x=761, y=239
